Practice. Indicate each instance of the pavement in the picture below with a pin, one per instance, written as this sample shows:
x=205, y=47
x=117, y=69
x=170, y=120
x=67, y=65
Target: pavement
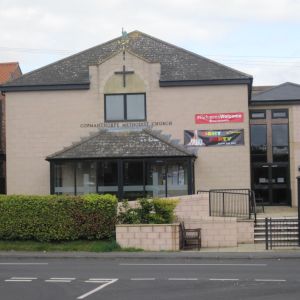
x=246, y=251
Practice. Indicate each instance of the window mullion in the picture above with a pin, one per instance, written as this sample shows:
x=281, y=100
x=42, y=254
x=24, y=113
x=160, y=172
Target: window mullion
x=125, y=106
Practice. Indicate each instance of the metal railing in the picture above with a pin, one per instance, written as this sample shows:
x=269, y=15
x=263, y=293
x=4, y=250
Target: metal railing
x=282, y=232
x=238, y=203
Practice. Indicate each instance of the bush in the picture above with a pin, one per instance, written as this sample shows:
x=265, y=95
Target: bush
x=57, y=218
x=149, y=211
x=165, y=209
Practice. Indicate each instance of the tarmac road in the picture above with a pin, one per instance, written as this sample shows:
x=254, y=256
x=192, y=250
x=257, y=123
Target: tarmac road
x=149, y=278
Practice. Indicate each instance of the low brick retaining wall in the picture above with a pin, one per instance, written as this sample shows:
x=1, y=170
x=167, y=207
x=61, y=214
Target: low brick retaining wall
x=151, y=237
x=245, y=231
x=194, y=211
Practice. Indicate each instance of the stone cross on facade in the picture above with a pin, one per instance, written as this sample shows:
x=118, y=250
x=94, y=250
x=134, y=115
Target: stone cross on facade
x=124, y=73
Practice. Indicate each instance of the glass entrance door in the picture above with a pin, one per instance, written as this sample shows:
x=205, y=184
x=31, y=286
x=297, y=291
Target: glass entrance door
x=271, y=183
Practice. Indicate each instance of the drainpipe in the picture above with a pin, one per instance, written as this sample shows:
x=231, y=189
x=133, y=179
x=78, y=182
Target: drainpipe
x=298, y=188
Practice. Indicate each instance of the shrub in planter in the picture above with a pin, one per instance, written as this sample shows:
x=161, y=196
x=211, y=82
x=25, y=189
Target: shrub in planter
x=149, y=211
x=164, y=208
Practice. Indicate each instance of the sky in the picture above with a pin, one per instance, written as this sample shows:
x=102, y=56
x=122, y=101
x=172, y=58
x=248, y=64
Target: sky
x=258, y=37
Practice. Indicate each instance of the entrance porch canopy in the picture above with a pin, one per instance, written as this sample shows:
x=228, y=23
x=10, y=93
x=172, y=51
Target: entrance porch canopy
x=128, y=163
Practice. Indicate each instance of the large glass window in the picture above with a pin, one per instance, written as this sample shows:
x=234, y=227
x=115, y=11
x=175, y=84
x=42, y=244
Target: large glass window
x=125, y=107
x=270, y=155
x=126, y=178
x=259, y=143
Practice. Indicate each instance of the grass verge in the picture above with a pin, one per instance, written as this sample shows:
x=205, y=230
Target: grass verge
x=80, y=245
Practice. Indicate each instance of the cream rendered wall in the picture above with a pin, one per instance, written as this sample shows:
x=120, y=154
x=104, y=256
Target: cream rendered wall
x=294, y=120
x=43, y=122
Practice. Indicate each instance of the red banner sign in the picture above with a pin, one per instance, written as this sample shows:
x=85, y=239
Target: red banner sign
x=219, y=118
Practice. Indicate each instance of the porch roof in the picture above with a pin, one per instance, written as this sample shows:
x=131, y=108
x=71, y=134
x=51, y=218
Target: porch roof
x=123, y=144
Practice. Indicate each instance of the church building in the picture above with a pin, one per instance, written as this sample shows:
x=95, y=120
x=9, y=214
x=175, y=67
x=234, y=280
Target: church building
x=138, y=117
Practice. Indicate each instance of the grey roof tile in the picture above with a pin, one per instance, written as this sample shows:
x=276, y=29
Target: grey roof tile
x=285, y=91
x=123, y=143
x=177, y=64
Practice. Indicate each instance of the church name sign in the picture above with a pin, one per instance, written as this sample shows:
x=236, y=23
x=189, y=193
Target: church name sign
x=219, y=118
x=126, y=124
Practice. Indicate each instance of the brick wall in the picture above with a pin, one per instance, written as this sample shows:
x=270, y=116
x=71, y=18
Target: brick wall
x=151, y=237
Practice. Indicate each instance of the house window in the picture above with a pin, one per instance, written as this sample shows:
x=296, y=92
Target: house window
x=125, y=107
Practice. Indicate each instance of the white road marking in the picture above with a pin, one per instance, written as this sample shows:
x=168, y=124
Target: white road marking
x=56, y=280
x=29, y=278
x=103, y=279
x=224, y=279
x=182, y=278
x=97, y=289
x=18, y=280
x=219, y=265
x=141, y=279
x=62, y=278
x=270, y=280
x=95, y=281
x=23, y=264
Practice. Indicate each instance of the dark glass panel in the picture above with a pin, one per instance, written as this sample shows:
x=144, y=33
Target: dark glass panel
x=258, y=143
x=133, y=180
x=280, y=142
x=280, y=196
x=280, y=135
x=279, y=175
x=108, y=177
x=64, y=176
x=280, y=153
x=155, y=179
x=85, y=177
x=261, y=175
x=262, y=196
x=177, y=179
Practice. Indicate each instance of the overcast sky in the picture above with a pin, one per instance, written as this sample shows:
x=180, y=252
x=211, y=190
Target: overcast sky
x=259, y=37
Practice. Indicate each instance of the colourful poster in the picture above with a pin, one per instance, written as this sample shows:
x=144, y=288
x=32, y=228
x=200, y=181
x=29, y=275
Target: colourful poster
x=219, y=118
x=204, y=138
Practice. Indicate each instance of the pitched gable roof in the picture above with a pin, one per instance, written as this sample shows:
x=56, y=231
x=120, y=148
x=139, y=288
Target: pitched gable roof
x=123, y=143
x=9, y=71
x=177, y=65
x=283, y=92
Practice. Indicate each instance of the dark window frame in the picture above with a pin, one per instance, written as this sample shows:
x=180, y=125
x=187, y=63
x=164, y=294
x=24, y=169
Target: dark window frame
x=258, y=111
x=125, y=119
x=280, y=110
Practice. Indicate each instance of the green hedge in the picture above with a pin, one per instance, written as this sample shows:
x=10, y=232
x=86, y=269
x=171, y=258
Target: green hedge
x=148, y=211
x=57, y=218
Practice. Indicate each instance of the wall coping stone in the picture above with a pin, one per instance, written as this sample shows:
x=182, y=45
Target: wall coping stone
x=146, y=225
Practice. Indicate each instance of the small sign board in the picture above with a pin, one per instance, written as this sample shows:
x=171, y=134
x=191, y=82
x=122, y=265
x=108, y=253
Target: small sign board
x=219, y=118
